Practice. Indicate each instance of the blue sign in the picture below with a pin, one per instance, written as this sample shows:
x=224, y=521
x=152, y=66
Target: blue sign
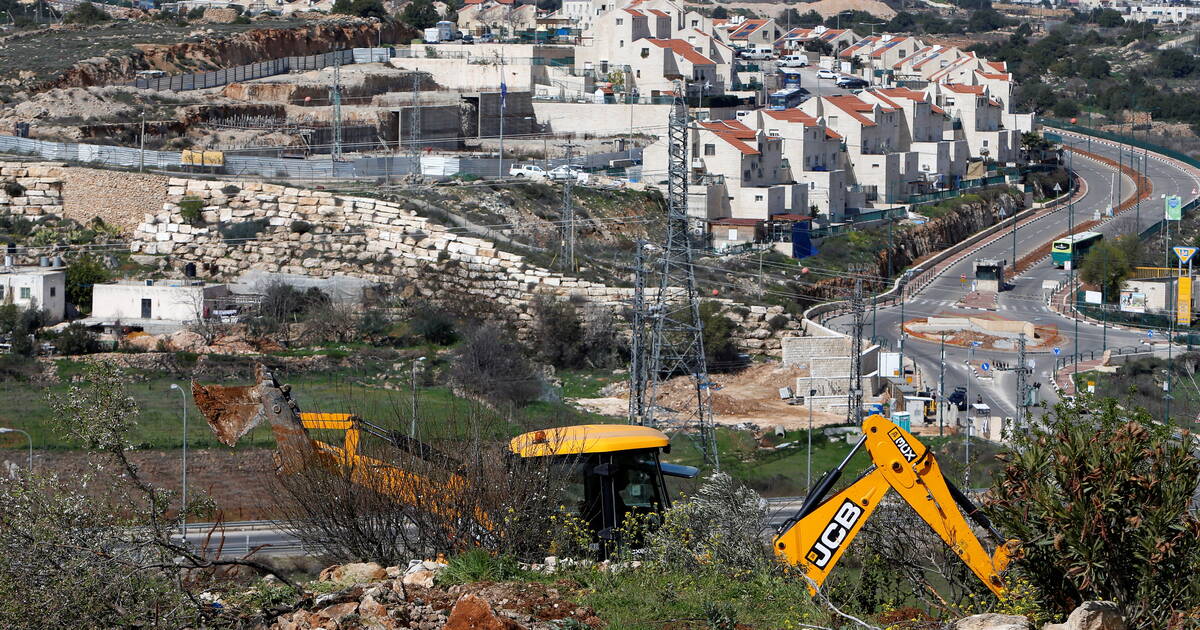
x=985, y=366
x=1150, y=334
x=1058, y=351
x=976, y=343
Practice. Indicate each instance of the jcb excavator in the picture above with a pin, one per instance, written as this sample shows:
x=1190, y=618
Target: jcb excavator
x=615, y=470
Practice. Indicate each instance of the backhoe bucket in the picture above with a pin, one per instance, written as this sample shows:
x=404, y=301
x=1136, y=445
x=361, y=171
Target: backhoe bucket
x=231, y=411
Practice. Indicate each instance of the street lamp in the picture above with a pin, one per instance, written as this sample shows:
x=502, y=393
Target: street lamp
x=183, y=502
x=412, y=427
x=27, y=437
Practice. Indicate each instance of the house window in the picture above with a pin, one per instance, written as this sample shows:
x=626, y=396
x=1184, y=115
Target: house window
x=710, y=149
x=639, y=74
x=833, y=121
x=874, y=166
x=985, y=143
x=645, y=53
x=732, y=234
x=758, y=197
x=620, y=21
x=695, y=23
x=746, y=175
x=621, y=44
x=1, y=292
x=26, y=293
x=52, y=291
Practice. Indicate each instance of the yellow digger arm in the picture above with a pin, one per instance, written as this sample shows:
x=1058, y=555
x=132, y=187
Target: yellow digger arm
x=821, y=531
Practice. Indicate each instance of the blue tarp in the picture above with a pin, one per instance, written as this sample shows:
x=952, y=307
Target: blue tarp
x=802, y=246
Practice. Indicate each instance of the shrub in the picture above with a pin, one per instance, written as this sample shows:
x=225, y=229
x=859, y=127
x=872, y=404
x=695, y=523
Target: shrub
x=491, y=365
x=1101, y=497
x=191, y=209
x=720, y=350
x=13, y=189
x=86, y=13
x=230, y=190
x=558, y=331
x=76, y=339
x=477, y=565
x=245, y=230
x=82, y=274
x=434, y=326
x=301, y=227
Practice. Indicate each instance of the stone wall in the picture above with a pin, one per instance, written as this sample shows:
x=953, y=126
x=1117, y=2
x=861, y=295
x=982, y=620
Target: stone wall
x=317, y=233
x=31, y=189
x=119, y=198
x=799, y=351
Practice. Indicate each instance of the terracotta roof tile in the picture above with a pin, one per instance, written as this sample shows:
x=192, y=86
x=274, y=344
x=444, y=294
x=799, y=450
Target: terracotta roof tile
x=660, y=13
x=634, y=12
x=964, y=89
x=683, y=49
x=854, y=106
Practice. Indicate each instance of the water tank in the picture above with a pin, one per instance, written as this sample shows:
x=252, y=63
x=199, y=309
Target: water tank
x=8, y=261
x=44, y=261
x=58, y=261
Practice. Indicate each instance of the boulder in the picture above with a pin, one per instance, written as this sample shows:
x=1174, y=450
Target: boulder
x=993, y=621
x=354, y=573
x=422, y=578
x=473, y=613
x=1092, y=616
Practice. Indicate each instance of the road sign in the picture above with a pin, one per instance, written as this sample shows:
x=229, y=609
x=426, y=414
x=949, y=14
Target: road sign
x=976, y=343
x=1057, y=351
x=985, y=366
x=1174, y=207
x=1091, y=387
x=1185, y=253
x=962, y=278
x=1057, y=188
x=1149, y=334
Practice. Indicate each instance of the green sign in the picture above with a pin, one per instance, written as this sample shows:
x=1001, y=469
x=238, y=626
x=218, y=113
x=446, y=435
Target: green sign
x=1174, y=207
x=1053, y=138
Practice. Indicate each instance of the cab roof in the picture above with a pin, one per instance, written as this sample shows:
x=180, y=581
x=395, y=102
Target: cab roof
x=587, y=438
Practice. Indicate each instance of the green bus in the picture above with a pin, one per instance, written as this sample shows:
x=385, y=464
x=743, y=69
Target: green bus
x=1073, y=248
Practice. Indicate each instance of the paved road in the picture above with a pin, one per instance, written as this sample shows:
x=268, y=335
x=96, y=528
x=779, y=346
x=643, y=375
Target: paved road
x=1026, y=301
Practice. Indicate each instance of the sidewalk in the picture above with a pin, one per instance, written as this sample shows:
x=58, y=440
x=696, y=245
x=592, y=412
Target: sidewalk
x=1063, y=380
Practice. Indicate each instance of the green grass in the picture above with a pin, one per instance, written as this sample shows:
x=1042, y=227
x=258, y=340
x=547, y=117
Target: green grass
x=650, y=598
x=783, y=472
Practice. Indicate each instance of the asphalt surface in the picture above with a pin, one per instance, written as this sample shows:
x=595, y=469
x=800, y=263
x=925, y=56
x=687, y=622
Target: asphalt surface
x=1026, y=300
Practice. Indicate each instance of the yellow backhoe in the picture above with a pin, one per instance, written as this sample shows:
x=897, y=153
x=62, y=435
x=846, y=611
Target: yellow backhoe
x=616, y=470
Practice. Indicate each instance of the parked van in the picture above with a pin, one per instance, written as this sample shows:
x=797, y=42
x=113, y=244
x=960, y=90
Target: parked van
x=793, y=61
x=527, y=171
x=758, y=52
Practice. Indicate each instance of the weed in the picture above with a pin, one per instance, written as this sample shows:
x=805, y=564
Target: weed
x=478, y=565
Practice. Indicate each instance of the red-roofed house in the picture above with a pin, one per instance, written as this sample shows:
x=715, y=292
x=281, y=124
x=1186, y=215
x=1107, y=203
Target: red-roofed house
x=754, y=32
x=980, y=120
x=922, y=127
x=814, y=155
x=876, y=161
x=807, y=38
x=657, y=63
x=742, y=173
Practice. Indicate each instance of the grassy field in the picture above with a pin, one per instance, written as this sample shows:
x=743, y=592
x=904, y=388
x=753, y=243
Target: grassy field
x=160, y=425
x=1139, y=383
x=783, y=472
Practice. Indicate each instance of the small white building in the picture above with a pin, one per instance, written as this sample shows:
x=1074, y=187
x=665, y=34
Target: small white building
x=35, y=287
x=169, y=300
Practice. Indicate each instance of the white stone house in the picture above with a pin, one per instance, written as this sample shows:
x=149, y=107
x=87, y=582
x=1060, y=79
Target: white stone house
x=170, y=300
x=35, y=287
x=922, y=127
x=871, y=133
x=814, y=156
x=977, y=118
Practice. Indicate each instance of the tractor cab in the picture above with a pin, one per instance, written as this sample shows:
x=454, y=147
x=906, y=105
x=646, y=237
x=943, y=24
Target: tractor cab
x=612, y=472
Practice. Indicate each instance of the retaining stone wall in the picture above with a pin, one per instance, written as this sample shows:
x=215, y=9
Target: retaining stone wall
x=321, y=234
x=43, y=189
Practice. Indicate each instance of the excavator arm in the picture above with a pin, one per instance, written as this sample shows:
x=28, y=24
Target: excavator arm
x=822, y=530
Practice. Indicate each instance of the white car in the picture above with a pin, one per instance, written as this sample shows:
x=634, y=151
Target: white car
x=793, y=61
x=826, y=74
x=565, y=172
x=527, y=171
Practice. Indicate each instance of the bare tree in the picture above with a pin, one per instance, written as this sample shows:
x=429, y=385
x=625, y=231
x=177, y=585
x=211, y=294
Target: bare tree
x=107, y=557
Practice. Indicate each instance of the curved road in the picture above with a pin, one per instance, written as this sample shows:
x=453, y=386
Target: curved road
x=1025, y=300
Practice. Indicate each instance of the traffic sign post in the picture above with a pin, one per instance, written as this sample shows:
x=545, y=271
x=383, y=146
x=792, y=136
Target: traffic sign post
x=985, y=366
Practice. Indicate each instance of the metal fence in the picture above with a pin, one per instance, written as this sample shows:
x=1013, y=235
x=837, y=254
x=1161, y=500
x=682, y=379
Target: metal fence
x=262, y=69
x=271, y=167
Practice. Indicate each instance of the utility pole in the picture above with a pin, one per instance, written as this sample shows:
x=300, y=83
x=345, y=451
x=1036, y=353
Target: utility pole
x=1022, y=385
x=942, y=388
x=1074, y=289
x=568, y=213
x=678, y=338
x=142, y=145
x=854, y=410
x=414, y=129
x=335, y=96
x=637, y=350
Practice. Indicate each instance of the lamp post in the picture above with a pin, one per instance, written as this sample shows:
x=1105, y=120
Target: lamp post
x=412, y=427
x=183, y=502
x=27, y=437
x=808, y=476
